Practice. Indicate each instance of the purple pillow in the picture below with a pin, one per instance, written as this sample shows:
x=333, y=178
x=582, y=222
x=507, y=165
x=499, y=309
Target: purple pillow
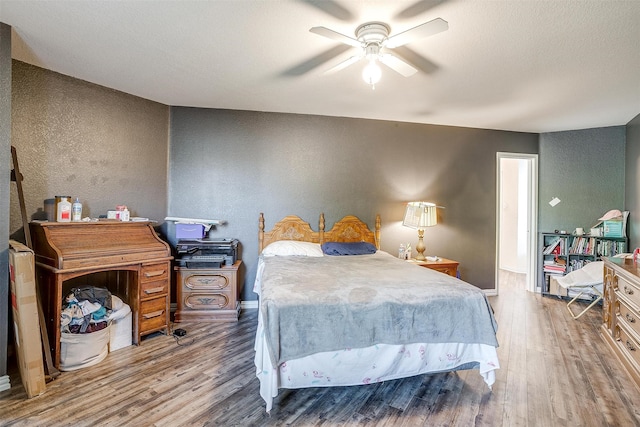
x=348, y=248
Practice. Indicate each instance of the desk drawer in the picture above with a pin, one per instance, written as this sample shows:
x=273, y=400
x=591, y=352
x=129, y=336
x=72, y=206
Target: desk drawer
x=153, y=314
x=151, y=289
x=154, y=272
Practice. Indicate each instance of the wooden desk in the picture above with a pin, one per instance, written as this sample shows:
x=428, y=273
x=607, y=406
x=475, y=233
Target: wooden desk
x=443, y=265
x=126, y=257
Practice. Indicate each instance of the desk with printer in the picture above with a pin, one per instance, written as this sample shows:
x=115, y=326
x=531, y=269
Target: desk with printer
x=208, y=286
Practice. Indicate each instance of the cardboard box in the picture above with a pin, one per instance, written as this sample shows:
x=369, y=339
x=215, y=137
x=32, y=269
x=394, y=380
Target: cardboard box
x=189, y=231
x=555, y=288
x=24, y=304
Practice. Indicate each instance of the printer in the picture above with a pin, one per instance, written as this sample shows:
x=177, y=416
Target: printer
x=206, y=253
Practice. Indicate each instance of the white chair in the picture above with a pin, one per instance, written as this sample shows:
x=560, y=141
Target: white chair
x=586, y=280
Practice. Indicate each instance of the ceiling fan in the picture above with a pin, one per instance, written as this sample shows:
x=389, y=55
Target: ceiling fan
x=375, y=45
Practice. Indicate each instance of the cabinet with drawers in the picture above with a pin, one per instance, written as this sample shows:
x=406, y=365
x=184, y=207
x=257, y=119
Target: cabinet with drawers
x=208, y=294
x=154, y=298
x=621, y=312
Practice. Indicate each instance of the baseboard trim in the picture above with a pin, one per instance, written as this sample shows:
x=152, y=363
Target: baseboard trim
x=5, y=383
x=249, y=304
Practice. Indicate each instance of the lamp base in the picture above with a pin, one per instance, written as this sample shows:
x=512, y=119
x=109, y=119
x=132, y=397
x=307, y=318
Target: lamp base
x=420, y=246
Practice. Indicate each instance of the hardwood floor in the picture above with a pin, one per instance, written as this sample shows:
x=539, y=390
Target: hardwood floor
x=555, y=371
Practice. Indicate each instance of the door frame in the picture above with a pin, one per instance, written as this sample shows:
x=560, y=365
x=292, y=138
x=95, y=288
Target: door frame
x=532, y=216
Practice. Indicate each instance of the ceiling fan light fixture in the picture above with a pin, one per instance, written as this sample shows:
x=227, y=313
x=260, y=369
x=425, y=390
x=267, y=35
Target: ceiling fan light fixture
x=372, y=73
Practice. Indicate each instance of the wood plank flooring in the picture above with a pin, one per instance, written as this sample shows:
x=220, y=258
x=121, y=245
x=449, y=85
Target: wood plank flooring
x=555, y=371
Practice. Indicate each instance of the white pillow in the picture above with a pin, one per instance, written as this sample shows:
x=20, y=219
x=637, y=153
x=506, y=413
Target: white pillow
x=292, y=248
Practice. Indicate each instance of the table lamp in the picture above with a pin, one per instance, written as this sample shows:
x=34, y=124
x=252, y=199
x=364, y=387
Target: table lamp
x=420, y=215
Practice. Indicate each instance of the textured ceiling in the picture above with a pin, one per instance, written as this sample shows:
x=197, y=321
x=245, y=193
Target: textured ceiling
x=521, y=65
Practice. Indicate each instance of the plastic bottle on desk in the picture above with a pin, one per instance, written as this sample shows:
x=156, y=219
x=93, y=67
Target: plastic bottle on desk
x=401, y=251
x=76, y=210
x=64, y=210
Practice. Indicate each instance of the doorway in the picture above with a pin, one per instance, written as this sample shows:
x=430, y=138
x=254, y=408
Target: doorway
x=517, y=216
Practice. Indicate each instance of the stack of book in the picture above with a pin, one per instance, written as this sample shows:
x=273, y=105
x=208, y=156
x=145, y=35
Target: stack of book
x=552, y=267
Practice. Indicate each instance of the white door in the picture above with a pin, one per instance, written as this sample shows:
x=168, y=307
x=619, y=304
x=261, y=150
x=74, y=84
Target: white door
x=517, y=215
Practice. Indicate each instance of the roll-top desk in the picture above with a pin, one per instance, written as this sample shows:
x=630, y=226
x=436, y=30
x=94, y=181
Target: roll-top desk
x=128, y=257
x=621, y=312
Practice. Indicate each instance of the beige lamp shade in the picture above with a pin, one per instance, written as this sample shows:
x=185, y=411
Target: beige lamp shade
x=420, y=215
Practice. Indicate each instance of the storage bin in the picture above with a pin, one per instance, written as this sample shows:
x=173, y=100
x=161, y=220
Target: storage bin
x=189, y=231
x=79, y=351
x=121, y=325
x=121, y=332
x=612, y=228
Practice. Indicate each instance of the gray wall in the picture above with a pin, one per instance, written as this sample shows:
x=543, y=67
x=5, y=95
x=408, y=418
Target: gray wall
x=632, y=178
x=5, y=168
x=585, y=170
x=80, y=139
x=232, y=165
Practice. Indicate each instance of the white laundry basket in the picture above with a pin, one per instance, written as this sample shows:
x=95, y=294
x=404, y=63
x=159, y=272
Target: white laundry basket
x=121, y=325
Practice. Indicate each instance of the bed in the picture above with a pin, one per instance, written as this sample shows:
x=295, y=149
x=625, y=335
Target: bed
x=361, y=315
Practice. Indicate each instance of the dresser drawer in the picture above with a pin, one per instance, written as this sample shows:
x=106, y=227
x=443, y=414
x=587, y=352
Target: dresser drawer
x=628, y=344
x=153, y=314
x=209, y=281
x=628, y=316
x=154, y=272
x=207, y=301
x=627, y=291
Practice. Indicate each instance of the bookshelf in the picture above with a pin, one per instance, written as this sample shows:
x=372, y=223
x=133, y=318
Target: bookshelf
x=563, y=253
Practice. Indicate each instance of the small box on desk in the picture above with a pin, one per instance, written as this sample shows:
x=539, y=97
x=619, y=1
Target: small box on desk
x=189, y=231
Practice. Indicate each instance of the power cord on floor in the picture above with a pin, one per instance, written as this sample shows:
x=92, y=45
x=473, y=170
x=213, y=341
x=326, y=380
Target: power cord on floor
x=179, y=334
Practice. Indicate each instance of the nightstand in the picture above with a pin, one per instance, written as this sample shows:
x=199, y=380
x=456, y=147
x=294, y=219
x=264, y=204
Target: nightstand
x=443, y=265
x=208, y=294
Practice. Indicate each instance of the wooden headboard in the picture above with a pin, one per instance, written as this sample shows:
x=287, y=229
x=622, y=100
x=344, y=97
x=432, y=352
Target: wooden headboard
x=348, y=229
x=351, y=229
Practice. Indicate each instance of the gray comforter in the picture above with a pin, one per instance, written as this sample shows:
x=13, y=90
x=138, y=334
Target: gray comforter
x=315, y=304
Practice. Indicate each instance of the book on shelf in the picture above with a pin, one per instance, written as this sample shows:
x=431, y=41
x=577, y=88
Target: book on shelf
x=553, y=247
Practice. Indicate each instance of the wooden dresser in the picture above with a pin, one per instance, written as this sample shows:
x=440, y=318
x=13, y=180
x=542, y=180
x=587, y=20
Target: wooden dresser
x=208, y=294
x=126, y=257
x=621, y=312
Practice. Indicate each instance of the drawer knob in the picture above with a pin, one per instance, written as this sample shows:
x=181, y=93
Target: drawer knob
x=627, y=290
x=156, y=273
x=154, y=290
x=153, y=314
x=630, y=318
x=630, y=346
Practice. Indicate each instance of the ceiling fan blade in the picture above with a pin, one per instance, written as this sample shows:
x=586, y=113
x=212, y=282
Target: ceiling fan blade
x=397, y=64
x=334, y=35
x=332, y=8
x=430, y=28
x=316, y=61
x=416, y=60
x=417, y=8
x=344, y=64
